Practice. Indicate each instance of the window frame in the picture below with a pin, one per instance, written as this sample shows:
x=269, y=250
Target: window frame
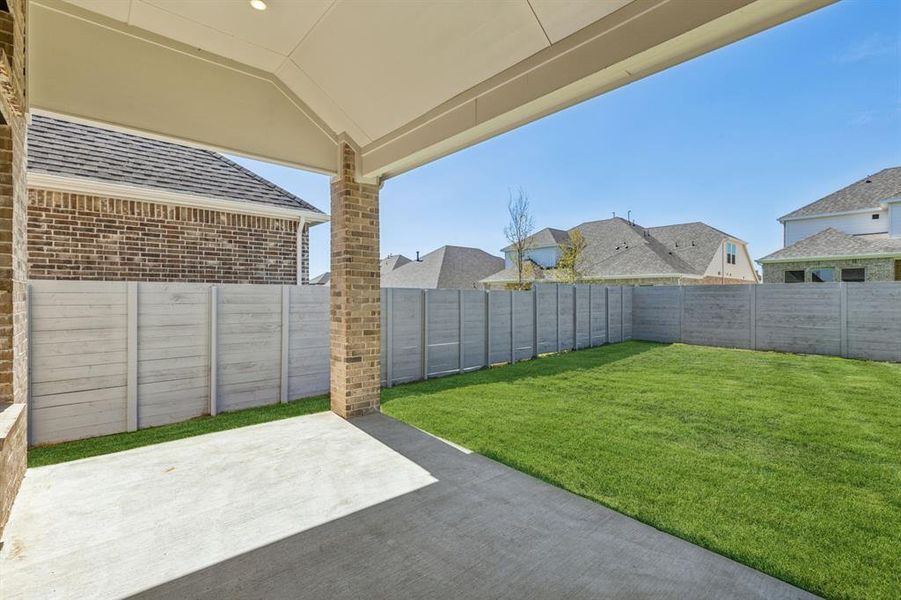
x=862, y=270
x=785, y=276
x=813, y=273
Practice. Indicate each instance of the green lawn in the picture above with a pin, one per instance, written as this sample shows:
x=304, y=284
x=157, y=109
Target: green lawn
x=48, y=455
x=789, y=464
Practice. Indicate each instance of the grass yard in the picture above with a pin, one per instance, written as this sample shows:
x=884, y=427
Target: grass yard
x=48, y=455
x=790, y=464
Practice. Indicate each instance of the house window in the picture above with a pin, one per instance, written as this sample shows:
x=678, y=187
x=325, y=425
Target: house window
x=853, y=274
x=794, y=277
x=822, y=275
x=731, y=252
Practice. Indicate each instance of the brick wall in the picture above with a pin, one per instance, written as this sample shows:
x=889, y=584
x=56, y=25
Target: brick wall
x=73, y=236
x=876, y=269
x=13, y=253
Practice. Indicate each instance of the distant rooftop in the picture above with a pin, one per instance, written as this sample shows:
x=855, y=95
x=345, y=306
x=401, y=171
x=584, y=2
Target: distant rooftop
x=869, y=192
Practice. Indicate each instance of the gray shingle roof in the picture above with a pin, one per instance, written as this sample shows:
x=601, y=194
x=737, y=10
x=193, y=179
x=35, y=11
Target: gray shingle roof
x=831, y=242
x=390, y=263
x=65, y=148
x=544, y=238
x=448, y=267
x=323, y=279
x=860, y=195
x=616, y=248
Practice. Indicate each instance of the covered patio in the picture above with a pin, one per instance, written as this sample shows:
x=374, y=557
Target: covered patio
x=360, y=91
x=265, y=512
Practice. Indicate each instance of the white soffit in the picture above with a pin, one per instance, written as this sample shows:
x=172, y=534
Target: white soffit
x=407, y=81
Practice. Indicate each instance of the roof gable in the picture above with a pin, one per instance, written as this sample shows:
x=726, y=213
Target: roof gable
x=866, y=193
x=447, y=267
x=831, y=242
x=64, y=148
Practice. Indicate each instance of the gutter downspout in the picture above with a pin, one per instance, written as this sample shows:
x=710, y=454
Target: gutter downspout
x=299, y=247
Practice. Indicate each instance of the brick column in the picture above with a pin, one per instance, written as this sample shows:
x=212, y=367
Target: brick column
x=13, y=254
x=355, y=291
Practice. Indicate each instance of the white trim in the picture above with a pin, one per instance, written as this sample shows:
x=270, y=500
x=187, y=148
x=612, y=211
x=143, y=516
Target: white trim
x=892, y=200
x=857, y=211
x=83, y=185
x=763, y=261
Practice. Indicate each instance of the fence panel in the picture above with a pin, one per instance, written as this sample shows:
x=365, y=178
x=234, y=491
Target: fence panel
x=524, y=325
x=615, y=299
x=547, y=318
x=174, y=352
x=628, y=295
x=78, y=360
x=566, y=316
x=799, y=317
x=656, y=314
x=475, y=305
x=874, y=320
x=716, y=315
x=308, y=346
x=406, y=335
x=443, y=332
x=598, y=324
x=499, y=338
x=581, y=315
x=249, y=345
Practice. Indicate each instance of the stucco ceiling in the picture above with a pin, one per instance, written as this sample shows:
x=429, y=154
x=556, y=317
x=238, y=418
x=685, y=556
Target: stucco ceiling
x=403, y=79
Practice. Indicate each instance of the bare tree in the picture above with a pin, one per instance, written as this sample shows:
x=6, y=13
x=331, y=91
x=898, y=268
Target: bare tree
x=570, y=263
x=519, y=229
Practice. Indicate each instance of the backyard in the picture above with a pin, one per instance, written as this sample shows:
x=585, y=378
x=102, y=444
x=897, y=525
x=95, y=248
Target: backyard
x=786, y=463
x=789, y=464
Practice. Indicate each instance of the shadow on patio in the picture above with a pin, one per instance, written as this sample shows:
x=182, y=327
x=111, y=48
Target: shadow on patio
x=481, y=531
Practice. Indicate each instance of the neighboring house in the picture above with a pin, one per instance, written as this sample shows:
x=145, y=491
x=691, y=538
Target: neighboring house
x=448, y=267
x=621, y=252
x=109, y=205
x=853, y=234
x=387, y=264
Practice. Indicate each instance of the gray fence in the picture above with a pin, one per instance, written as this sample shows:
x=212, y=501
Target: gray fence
x=429, y=333
x=107, y=357
x=858, y=320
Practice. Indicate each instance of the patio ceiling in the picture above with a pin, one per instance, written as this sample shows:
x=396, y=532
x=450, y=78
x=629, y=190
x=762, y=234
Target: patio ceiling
x=407, y=82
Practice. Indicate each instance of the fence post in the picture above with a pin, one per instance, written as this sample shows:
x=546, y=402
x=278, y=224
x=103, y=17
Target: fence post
x=389, y=336
x=590, y=338
x=460, y=324
x=622, y=309
x=425, y=334
x=487, y=328
x=131, y=410
x=606, y=314
x=843, y=311
x=575, y=317
x=29, y=406
x=512, y=332
x=534, y=321
x=752, y=300
x=557, y=316
x=286, y=324
x=214, y=319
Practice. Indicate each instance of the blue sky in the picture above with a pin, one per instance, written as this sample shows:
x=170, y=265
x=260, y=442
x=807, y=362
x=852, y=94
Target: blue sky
x=734, y=138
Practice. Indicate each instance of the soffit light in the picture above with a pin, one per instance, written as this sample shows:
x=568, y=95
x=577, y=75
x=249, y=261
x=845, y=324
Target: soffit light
x=258, y=4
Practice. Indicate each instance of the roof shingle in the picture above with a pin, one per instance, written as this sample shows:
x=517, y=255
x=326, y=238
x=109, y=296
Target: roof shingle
x=65, y=148
x=860, y=195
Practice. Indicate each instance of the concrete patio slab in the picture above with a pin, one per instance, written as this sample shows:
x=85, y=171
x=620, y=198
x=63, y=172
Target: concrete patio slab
x=316, y=507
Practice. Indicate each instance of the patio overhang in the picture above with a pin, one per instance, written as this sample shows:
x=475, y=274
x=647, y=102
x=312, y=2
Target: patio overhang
x=404, y=83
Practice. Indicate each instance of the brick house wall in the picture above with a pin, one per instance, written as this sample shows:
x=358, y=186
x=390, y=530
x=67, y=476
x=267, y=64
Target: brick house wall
x=877, y=269
x=75, y=236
